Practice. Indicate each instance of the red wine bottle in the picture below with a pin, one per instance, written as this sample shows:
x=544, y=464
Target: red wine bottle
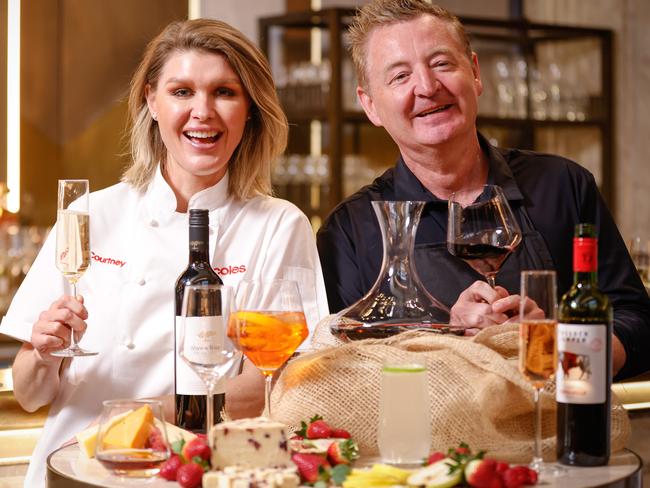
x=584, y=374
x=190, y=391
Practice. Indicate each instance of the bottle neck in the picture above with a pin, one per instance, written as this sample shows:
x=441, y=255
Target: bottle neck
x=199, y=247
x=583, y=278
x=585, y=260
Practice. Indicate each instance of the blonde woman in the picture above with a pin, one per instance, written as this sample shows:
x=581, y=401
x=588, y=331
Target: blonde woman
x=206, y=124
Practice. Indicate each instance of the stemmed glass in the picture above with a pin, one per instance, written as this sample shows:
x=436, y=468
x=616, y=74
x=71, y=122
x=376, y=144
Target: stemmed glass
x=204, y=342
x=268, y=326
x=482, y=231
x=73, y=244
x=538, y=347
x=640, y=253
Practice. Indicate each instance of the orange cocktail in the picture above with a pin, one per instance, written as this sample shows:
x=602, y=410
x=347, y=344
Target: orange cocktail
x=268, y=338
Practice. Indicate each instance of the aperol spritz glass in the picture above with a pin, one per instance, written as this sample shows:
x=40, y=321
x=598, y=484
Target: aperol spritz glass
x=268, y=326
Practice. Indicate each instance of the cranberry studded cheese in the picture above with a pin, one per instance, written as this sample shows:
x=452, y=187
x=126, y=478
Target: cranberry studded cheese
x=235, y=477
x=250, y=443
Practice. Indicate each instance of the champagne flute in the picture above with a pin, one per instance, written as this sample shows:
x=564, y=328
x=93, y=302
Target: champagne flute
x=73, y=244
x=268, y=326
x=538, y=348
x=483, y=232
x=204, y=343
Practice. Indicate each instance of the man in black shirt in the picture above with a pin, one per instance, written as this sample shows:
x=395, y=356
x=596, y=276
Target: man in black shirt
x=419, y=79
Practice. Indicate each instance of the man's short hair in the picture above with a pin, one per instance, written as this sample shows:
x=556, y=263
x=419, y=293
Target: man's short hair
x=379, y=13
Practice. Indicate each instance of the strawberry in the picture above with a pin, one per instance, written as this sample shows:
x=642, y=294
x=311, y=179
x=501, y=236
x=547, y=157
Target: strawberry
x=518, y=476
x=303, y=426
x=196, y=447
x=169, y=468
x=190, y=475
x=155, y=441
x=319, y=430
x=311, y=467
x=481, y=473
x=342, y=452
x=340, y=434
x=501, y=467
x=435, y=457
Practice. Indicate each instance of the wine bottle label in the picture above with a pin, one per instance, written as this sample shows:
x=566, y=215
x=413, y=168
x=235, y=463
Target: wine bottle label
x=582, y=363
x=585, y=254
x=187, y=381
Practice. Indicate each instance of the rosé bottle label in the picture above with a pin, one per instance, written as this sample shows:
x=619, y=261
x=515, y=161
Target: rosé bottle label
x=581, y=375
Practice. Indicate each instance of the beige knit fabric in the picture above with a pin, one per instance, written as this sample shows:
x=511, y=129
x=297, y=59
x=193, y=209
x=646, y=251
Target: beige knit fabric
x=477, y=394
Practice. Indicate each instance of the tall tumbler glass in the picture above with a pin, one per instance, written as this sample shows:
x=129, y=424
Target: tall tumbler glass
x=404, y=433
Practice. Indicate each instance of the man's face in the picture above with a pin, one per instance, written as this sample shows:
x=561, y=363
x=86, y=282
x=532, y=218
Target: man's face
x=422, y=87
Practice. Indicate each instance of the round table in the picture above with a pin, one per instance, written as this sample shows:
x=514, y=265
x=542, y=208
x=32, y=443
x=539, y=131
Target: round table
x=67, y=467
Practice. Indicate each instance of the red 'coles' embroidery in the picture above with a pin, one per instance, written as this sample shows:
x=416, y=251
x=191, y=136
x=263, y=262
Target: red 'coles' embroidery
x=227, y=270
x=99, y=259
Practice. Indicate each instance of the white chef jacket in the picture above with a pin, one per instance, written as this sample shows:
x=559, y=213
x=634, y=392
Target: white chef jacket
x=139, y=247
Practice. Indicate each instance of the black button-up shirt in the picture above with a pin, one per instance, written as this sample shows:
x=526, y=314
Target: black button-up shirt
x=549, y=195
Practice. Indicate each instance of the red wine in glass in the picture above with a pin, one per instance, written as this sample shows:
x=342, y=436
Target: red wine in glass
x=482, y=229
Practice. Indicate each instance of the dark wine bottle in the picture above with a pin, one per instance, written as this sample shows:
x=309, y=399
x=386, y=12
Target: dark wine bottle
x=189, y=390
x=584, y=374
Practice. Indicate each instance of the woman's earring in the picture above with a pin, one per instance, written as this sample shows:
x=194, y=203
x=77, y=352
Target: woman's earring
x=154, y=115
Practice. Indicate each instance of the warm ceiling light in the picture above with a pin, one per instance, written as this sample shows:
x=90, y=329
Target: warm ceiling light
x=13, y=105
x=193, y=9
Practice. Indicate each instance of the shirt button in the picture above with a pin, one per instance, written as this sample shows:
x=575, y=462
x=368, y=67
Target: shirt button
x=130, y=346
x=141, y=282
x=153, y=223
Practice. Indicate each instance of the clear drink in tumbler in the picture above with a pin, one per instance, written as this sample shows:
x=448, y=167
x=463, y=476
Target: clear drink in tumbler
x=404, y=434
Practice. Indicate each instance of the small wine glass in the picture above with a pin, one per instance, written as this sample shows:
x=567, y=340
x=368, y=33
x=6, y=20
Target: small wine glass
x=73, y=244
x=538, y=348
x=482, y=230
x=268, y=326
x=204, y=343
x=132, y=438
x=640, y=253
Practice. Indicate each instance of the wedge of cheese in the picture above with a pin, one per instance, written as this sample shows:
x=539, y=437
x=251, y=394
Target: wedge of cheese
x=87, y=438
x=131, y=431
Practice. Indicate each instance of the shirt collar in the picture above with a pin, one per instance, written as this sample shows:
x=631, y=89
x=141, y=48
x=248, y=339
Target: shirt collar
x=161, y=200
x=408, y=187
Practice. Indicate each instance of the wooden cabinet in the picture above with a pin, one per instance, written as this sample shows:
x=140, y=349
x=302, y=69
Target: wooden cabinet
x=546, y=88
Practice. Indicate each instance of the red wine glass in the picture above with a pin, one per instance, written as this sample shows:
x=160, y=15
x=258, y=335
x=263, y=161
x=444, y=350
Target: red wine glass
x=482, y=230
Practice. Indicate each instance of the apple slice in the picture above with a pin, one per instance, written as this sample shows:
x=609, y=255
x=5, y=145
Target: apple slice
x=436, y=475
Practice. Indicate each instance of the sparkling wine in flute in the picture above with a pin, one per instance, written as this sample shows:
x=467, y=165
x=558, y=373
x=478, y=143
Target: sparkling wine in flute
x=72, y=244
x=537, y=350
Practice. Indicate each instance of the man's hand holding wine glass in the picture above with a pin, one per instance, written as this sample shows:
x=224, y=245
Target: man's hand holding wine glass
x=480, y=306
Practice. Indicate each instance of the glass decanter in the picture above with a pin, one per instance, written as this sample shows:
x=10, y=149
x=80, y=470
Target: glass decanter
x=398, y=300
